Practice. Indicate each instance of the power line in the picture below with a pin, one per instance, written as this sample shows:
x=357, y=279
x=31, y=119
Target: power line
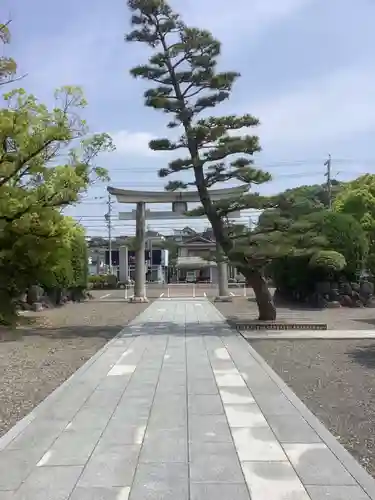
x=274, y=164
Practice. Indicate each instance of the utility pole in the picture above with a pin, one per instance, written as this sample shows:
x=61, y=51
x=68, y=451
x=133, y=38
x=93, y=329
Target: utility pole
x=328, y=164
x=108, y=218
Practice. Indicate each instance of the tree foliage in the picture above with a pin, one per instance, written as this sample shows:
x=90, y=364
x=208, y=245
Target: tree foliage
x=296, y=202
x=187, y=85
x=323, y=243
x=8, y=66
x=328, y=260
x=357, y=198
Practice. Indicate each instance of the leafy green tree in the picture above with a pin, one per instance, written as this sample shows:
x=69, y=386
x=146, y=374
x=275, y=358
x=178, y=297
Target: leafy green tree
x=71, y=252
x=357, y=198
x=187, y=86
x=47, y=160
x=319, y=244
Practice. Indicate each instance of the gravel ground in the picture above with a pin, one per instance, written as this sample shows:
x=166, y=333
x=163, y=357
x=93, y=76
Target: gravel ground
x=41, y=356
x=336, y=381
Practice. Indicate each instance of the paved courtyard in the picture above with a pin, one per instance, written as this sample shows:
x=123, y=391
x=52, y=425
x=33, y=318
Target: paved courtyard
x=177, y=407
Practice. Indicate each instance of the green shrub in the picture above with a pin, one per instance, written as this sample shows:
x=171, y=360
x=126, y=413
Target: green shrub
x=328, y=261
x=343, y=251
x=103, y=281
x=344, y=235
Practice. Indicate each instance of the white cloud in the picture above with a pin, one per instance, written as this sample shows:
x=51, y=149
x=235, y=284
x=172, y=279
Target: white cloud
x=133, y=143
x=332, y=107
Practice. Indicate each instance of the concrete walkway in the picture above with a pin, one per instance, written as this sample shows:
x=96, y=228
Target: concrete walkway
x=178, y=407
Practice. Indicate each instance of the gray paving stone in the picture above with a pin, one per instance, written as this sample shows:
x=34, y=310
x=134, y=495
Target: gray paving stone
x=336, y=493
x=258, y=382
x=200, y=372
x=111, y=466
x=275, y=405
x=139, y=390
x=7, y=495
x=178, y=378
x=161, y=482
x=114, y=384
x=236, y=395
x=16, y=465
x=39, y=434
x=143, y=399
x=131, y=420
x=66, y=406
x=273, y=480
x=223, y=365
x=171, y=389
x=100, y=494
x=147, y=376
x=257, y=444
x=202, y=386
x=174, y=364
x=71, y=448
x=205, y=405
x=224, y=379
x=104, y=398
x=317, y=465
x=119, y=432
x=133, y=408
x=49, y=483
x=168, y=417
x=245, y=415
x=292, y=429
x=165, y=446
x=91, y=417
x=214, y=463
x=209, y=429
x=205, y=491
x=162, y=399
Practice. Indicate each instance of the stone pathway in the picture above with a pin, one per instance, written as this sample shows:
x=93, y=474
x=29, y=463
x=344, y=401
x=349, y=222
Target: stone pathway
x=178, y=407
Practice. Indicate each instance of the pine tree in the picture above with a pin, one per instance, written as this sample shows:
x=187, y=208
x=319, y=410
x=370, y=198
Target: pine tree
x=187, y=84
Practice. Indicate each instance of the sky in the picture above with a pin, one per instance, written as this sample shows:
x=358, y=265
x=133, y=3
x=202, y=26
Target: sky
x=307, y=72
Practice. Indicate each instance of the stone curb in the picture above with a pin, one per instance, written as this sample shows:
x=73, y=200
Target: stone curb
x=309, y=335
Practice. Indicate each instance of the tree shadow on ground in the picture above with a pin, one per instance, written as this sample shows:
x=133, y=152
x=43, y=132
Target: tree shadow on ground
x=364, y=355
x=109, y=300
x=110, y=331
x=284, y=305
x=64, y=332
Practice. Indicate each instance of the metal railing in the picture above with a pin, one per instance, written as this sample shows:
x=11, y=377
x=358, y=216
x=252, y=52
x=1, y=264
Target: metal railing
x=194, y=290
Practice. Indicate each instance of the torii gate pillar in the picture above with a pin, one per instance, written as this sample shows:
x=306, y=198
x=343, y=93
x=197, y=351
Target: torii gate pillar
x=140, y=241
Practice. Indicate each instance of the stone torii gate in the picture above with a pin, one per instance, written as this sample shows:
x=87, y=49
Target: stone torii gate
x=179, y=201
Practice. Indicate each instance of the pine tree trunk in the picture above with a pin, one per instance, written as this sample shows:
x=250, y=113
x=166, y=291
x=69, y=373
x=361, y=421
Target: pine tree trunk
x=266, y=307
